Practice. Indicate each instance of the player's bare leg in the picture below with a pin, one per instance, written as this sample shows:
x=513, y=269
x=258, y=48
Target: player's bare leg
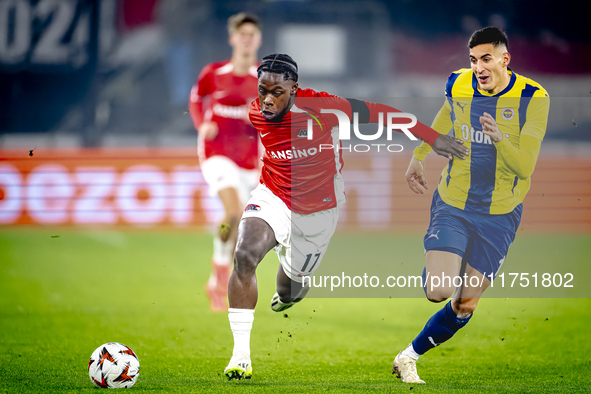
x=224, y=243
x=255, y=240
x=233, y=207
x=466, y=298
x=289, y=292
x=439, y=264
x=443, y=325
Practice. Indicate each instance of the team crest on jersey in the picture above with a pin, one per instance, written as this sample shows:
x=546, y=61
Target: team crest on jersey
x=252, y=207
x=303, y=133
x=508, y=113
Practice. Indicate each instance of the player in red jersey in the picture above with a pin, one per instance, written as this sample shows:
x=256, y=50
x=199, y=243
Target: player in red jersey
x=228, y=144
x=295, y=208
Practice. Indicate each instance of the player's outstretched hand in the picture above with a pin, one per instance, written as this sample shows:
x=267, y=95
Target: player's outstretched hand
x=208, y=130
x=415, y=176
x=448, y=146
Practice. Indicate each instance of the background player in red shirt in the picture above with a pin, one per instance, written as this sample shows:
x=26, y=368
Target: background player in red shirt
x=228, y=144
x=295, y=208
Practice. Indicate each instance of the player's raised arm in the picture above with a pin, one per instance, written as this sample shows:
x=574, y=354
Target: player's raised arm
x=443, y=145
x=521, y=160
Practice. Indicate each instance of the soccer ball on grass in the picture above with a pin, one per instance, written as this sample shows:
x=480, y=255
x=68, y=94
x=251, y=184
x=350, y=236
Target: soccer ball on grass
x=113, y=365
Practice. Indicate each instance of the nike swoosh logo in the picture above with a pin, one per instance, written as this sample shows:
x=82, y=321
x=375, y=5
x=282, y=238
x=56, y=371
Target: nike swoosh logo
x=262, y=135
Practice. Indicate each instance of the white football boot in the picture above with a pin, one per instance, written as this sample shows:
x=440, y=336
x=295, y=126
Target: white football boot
x=405, y=368
x=239, y=368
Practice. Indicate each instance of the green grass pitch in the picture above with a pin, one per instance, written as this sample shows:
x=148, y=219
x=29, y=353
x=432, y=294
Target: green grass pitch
x=61, y=297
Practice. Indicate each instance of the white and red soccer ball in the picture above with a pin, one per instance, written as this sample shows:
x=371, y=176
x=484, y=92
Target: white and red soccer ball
x=113, y=365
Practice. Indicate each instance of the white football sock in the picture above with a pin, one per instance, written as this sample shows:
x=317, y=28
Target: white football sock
x=241, y=325
x=222, y=251
x=410, y=352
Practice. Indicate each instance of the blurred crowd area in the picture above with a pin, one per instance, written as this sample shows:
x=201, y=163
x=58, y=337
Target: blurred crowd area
x=117, y=73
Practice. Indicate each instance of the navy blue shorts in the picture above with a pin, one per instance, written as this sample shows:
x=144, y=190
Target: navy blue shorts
x=481, y=240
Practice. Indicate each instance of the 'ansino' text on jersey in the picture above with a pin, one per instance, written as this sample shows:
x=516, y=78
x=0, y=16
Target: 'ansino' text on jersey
x=296, y=169
x=486, y=182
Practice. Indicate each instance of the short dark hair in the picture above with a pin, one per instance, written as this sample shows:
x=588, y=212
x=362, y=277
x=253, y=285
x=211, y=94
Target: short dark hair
x=235, y=21
x=488, y=35
x=279, y=63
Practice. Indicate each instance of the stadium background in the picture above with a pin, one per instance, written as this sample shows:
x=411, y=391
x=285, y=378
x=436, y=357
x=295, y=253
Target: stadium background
x=102, y=200
x=119, y=85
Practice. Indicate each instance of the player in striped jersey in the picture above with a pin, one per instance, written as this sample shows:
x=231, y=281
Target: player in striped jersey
x=476, y=210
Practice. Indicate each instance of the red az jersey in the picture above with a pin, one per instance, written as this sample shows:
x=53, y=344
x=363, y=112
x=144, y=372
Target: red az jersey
x=223, y=97
x=295, y=168
x=305, y=173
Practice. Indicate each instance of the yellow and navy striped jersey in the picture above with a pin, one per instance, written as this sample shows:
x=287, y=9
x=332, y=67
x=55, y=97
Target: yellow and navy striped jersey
x=495, y=177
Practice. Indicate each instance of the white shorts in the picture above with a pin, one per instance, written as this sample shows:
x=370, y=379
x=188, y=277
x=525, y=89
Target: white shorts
x=302, y=239
x=221, y=172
